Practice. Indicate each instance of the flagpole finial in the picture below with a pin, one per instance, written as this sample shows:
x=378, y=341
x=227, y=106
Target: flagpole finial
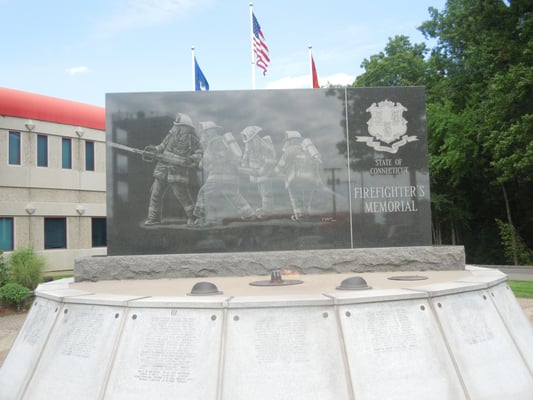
x=192, y=47
x=251, y=4
x=309, y=47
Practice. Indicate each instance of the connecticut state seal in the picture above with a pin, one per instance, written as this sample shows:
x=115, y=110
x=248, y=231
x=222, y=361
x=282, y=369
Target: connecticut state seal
x=387, y=127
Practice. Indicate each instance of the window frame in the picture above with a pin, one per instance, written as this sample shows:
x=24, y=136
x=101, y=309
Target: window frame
x=66, y=156
x=59, y=238
x=14, y=156
x=42, y=150
x=89, y=155
x=98, y=236
x=11, y=235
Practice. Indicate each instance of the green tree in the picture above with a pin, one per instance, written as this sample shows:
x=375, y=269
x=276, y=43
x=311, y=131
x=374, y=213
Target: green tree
x=481, y=112
x=479, y=85
x=400, y=64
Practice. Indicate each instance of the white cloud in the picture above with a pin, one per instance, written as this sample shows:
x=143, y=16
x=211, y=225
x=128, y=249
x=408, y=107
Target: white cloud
x=339, y=78
x=77, y=70
x=305, y=81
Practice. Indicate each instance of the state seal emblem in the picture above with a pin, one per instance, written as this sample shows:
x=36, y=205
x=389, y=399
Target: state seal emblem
x=387, y=127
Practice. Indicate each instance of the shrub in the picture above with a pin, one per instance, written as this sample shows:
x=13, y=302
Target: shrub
x=524, y=255
x=4, y=270
x=14, y=294
x=26, y=267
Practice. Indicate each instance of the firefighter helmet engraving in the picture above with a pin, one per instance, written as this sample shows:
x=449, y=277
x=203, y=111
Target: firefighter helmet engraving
x=183, y=119
x=387, y=127
x=249, y=133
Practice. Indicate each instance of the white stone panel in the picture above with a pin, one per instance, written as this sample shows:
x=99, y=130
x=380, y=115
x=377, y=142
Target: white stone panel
x=207, y=302
x=283, y=353
x=342, y=297
x=515, y=320
x=77, y=355
x=60, y=294
x=21, y=360
x=395, y=351
x=487, y=357
x=109, y=299
x=167, y=354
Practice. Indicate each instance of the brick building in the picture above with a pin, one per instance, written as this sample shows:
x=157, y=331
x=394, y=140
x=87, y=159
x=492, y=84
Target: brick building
x=52, y=177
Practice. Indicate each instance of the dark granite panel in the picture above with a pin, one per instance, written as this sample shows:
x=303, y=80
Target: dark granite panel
x=231, y=171
x=389, y=176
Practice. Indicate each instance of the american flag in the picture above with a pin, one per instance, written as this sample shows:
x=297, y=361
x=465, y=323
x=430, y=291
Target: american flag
x=260, y=47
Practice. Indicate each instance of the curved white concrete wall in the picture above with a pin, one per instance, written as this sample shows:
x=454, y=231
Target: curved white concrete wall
x=466, y=338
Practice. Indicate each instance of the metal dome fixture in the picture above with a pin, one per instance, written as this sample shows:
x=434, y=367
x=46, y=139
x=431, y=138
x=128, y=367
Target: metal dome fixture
x=276, y=280
x=353, y=283
x=407, y=278
x=204, y=289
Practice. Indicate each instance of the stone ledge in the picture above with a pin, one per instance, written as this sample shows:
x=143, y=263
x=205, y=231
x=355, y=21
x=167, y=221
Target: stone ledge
x=161, y=266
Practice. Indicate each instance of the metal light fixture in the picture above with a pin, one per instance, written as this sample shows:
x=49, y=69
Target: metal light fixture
x=30, y=125
x=30, y=209
x=276, y=280
x=79, y=131
x=407, y=278
x=353, y=283
x=204, y=289
x=80, y=210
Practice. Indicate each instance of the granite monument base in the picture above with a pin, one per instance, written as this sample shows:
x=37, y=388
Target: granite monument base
x=450, y=335
x=162, y=266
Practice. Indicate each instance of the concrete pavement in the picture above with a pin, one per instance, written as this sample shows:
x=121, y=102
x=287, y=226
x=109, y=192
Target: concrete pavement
x=9, y=328
x=515, y=273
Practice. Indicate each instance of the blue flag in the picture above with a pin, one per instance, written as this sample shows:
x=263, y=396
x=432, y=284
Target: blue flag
x=200, y=81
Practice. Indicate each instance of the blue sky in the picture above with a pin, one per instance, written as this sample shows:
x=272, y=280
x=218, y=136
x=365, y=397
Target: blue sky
x=80, y=50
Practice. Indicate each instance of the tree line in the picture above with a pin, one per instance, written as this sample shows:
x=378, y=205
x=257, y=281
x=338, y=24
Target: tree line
x=479, y=90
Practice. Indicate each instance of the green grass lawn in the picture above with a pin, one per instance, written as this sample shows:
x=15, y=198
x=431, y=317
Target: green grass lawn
x=57, y=277
x=522, y=288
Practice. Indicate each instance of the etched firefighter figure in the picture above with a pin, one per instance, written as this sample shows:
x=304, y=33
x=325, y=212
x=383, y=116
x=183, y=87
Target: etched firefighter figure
x=220, y=197
x=259, y=161
x=300, y=163
x=177, y=155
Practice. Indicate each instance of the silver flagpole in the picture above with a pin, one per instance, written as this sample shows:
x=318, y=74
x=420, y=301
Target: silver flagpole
x=252, y=44
x=193, y=70
x=311, y=63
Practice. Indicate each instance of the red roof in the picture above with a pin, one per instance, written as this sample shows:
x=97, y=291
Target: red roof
x=16, y=103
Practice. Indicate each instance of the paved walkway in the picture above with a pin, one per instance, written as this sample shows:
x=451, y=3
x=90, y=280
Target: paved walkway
x=9, y=328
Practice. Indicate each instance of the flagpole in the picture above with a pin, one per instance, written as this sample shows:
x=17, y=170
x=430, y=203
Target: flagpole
x=311, y=63
x=252, y=44
x=193, y=70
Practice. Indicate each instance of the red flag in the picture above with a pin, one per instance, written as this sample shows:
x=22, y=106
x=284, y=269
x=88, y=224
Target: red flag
x=315, y=75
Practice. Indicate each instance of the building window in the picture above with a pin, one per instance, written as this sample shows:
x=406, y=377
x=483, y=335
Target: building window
x=55, y=233
x=14, y=148
x=89, y=156
x=6, y=233
x=99, y=232
x=66, y=153
x=42, y=151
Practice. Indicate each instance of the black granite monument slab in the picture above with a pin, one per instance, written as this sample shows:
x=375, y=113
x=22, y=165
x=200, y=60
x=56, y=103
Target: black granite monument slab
x=232, y=171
